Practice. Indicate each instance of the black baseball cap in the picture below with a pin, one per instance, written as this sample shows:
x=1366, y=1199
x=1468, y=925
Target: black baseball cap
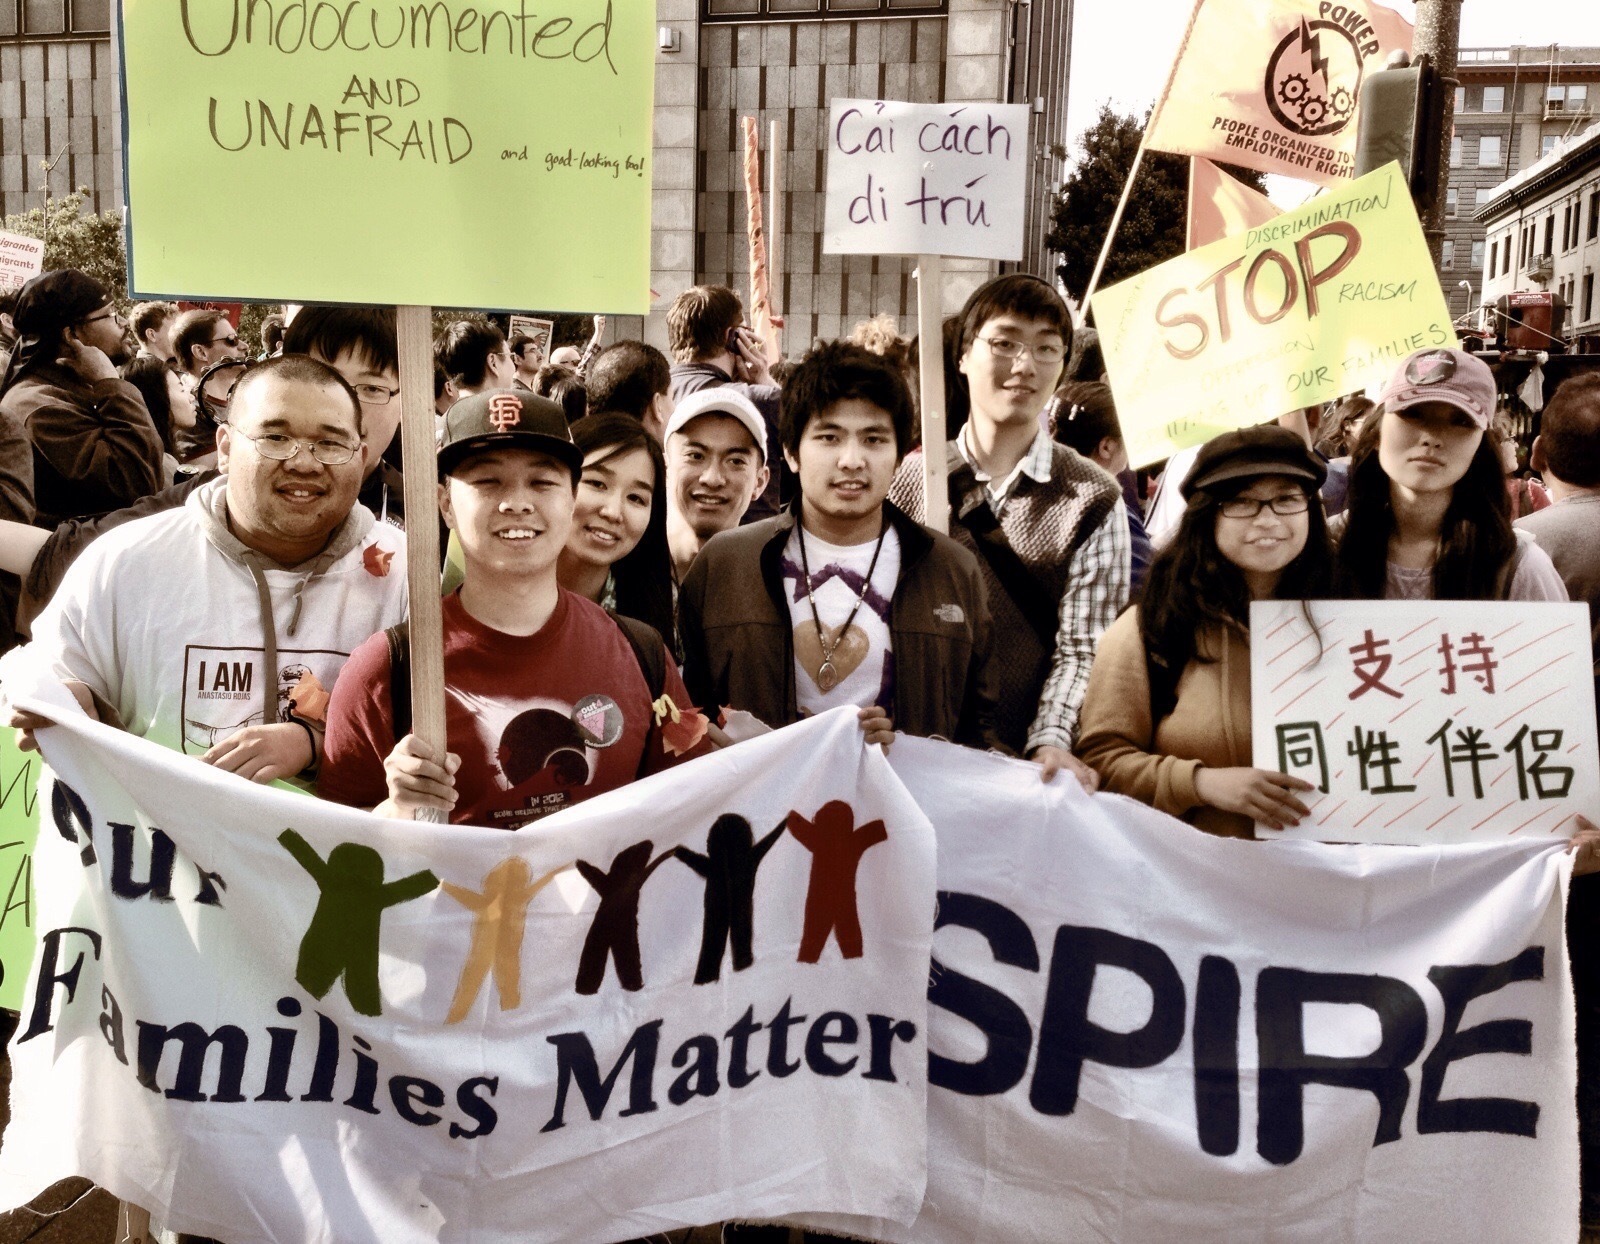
x=507, y=419
x=1250, y=452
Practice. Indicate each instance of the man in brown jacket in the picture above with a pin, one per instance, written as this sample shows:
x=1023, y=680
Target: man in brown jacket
x=94, y=446
x=842, y=599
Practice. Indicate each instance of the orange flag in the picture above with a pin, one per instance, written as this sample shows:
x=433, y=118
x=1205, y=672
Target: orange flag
x=1220, y=205
x=1273, y=84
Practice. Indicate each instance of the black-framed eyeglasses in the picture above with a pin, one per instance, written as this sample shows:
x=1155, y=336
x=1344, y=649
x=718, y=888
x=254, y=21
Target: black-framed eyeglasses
x=113, y=314
x=281, y=448
x=232, y=339
x=375, y=394
x=1005, y=348
x=1249, y=507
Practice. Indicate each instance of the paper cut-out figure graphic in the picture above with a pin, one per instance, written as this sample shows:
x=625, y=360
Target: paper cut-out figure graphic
x=729, y=867
x=502, y=909
x=614, y=932
x=342, y=939
x=836, y=847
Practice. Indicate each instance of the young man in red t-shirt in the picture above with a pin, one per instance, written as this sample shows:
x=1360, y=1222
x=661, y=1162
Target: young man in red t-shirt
x=547, y=701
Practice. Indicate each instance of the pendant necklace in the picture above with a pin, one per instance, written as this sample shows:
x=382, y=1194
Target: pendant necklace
x=828, y=672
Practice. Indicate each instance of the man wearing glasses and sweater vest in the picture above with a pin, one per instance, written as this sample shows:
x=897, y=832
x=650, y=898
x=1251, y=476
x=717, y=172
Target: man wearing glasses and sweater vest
x=1047, y=524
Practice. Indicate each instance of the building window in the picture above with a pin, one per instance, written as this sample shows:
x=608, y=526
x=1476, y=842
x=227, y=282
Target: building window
x=1547, y=144
x=766, y=10
x=1477, y=255
x=1455, y=151
x=1505, y=257
x=1588, y=296
x=44, y=18
x=1461, y=99
x=1571, y=98
x=1447, y=257
x=1489, y=151
x=1481, y=196
x=1594, y=215
x=1550, y=234
x=1494, y=99
x=1452, y=203
x=1494, y=256
x=1566, y=228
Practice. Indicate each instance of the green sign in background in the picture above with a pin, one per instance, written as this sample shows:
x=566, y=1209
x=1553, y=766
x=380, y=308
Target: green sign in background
x=19, y=829
x=494, y=155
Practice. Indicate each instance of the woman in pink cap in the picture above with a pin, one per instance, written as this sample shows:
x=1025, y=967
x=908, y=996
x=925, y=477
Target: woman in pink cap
x=1428, y=517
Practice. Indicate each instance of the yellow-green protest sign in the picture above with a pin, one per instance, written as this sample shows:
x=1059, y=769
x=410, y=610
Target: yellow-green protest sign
x=19, y=830
x=490, y=155
x=1317, y=303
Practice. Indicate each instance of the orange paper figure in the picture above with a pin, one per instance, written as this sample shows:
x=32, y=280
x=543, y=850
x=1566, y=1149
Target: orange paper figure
x=502, y=910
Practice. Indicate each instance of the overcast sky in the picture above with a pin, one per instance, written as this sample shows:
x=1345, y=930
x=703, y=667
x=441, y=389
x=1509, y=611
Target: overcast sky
x=1127, y=62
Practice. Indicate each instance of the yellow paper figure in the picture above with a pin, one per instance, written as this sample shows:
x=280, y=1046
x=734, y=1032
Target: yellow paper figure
x=502, y=910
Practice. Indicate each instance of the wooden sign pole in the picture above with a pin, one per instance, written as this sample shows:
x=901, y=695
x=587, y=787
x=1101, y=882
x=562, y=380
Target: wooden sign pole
x=420, y=457
x=133, y=1224
x=930, y=366
x=775, y=228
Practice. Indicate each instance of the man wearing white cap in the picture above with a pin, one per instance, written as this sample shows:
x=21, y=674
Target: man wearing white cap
x=716, y=449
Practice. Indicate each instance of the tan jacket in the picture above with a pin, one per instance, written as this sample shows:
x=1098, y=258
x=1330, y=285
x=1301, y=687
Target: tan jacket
x=1156, y=764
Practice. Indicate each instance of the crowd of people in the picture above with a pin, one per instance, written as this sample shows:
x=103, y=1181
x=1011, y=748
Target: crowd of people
x=649, y=557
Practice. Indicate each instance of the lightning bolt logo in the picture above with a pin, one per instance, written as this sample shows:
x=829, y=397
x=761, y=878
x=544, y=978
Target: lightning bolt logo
x=1312, y=46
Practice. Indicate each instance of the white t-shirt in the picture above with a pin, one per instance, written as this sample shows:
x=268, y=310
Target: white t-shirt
x=862, y=658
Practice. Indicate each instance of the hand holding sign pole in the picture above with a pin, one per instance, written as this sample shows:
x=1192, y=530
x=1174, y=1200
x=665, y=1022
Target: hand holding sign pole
x=930, y=180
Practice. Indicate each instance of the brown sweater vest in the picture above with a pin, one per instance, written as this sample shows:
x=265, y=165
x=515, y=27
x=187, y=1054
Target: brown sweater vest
x=1045, y=524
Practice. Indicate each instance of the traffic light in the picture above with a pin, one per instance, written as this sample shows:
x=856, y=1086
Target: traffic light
x=1401, y=117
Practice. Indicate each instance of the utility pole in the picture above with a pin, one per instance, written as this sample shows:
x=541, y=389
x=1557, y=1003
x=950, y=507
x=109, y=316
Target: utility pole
x=1439, y=36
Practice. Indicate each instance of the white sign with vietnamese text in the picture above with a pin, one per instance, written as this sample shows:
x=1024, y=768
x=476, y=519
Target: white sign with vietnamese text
x=926, y=179
x=1427, y=721
x=21, y=259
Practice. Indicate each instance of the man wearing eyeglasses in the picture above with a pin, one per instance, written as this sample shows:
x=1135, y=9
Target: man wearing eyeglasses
x=1047, y=524
x=218, y=628
x=93, y=445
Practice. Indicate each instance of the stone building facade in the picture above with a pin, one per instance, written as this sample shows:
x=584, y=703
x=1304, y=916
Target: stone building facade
x=1512, y=106
x=58, y=98
x=1543, y=232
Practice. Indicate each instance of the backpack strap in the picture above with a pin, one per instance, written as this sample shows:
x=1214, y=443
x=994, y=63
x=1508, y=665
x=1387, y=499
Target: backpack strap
x=649, y=649
x=1026, y=592
x=399, y=637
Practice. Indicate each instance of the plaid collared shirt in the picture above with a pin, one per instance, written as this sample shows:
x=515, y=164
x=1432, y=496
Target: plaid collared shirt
x=1098, y=582
x=1035, y=464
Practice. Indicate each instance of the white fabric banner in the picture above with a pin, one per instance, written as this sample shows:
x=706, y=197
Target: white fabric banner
x=1139, y=1033
x=1136, y=1032
x=590, y=1091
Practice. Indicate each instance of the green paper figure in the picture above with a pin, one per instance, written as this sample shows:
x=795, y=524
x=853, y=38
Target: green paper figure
x=342, y=939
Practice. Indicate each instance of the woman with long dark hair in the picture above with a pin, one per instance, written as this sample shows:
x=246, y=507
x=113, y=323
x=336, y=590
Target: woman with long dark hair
x=1166, y=719
x=166, y=396
x=617, y=552
x=1428, y=517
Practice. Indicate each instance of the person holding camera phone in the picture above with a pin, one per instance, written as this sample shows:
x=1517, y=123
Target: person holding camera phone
x=712, y=348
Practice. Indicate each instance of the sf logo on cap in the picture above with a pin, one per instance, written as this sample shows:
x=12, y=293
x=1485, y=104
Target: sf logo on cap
x=505, y=411
x=1435, y=367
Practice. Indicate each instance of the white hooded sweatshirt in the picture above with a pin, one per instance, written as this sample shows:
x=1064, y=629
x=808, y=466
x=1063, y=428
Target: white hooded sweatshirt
x=174, y=624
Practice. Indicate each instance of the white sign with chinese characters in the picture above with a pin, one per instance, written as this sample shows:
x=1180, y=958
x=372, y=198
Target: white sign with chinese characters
x=1427, y=721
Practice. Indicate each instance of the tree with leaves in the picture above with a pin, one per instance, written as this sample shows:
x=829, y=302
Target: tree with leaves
x=75, y=239
x=1154, y=225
